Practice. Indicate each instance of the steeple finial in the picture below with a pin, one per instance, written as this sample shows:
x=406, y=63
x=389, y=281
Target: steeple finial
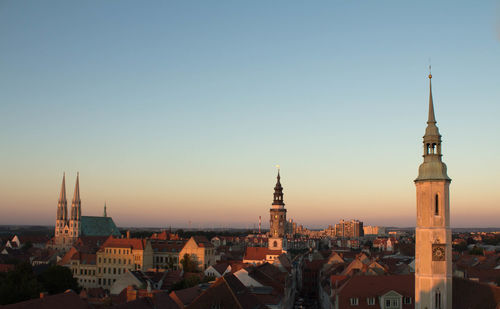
x=432, y=117
x=105, y=214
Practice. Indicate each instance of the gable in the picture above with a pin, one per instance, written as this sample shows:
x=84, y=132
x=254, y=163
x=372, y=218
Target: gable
x=392, y=294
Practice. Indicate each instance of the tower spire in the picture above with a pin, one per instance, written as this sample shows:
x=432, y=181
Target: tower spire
x=62, y=205
x=278, y=191
x=76, y=204
x=433, y=167
x=432, y=117
x=105, y=214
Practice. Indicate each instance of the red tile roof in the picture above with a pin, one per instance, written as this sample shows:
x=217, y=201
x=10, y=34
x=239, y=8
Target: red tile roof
x=363, y=287
x=58, y=301
x=202, y=241
x=259, y=253
x=227, y=292
x=185, y=296
x=133, y=243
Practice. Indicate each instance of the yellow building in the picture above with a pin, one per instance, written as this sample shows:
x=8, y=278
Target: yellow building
x=119, y=255
x=201, y=250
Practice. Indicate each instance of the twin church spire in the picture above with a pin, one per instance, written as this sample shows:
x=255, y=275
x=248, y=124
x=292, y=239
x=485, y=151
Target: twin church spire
x=76, y=204
x=62, y=205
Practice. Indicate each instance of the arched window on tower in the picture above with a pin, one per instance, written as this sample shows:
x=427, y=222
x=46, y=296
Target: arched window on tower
x=427, y=149
x=275, y=244
x=436, y=205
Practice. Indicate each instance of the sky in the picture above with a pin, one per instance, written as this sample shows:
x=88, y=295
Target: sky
x=175, y=113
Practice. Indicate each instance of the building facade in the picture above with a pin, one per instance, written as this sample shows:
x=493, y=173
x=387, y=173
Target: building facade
x=120, y=255
x=201, y=250
x=433, y=266
x=277, y=240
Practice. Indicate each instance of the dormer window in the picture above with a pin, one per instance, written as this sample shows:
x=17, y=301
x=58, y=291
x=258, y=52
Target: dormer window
x=354, y=301
x=370, y=301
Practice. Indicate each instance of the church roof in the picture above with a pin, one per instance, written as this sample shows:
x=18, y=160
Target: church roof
x=98, y=226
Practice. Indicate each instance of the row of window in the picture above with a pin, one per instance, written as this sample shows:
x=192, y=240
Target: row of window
x=166, y=259
x=125, y=251
x=115, y=271
x=105, y=281
x=389, y=303
x=114, y=261
x=90, y=272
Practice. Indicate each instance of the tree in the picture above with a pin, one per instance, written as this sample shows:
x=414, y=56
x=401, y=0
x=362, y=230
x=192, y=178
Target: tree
x=18, y=285
x=57, y=279
x=189, y=264
x=476, y=251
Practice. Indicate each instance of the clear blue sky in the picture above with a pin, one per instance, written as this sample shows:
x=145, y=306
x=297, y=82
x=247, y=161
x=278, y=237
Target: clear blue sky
x=177, y=111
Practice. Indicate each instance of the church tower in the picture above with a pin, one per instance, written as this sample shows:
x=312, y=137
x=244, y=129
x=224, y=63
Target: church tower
x=74, y=221
x=277, y=239
x=433, y=274
x=62, y=211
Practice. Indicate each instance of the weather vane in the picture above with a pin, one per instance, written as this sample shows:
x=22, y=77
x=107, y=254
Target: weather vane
x=430, y=75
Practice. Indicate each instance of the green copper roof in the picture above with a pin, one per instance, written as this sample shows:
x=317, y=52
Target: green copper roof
x=98, y=226
x=433, y=168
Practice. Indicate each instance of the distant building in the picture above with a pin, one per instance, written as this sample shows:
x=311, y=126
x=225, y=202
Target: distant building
x=353, y=228
x=374, y=230
x=68, y=230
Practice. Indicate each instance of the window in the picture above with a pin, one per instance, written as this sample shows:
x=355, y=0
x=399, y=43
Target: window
x=407, y=300
x=354, y=301
x=437, y=299
x=370, y=300
x=388, y=303
x=436, y=205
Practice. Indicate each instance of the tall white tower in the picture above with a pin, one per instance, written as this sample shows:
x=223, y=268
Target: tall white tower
x=277, y=240
x=433, y=274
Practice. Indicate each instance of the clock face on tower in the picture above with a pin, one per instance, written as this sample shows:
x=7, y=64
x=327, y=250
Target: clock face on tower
x=438, y=252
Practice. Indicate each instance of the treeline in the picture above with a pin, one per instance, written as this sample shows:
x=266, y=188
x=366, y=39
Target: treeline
x=23, y=284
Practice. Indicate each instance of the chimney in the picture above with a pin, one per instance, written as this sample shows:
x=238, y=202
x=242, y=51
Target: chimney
x=131, y=293
x=128, y=234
